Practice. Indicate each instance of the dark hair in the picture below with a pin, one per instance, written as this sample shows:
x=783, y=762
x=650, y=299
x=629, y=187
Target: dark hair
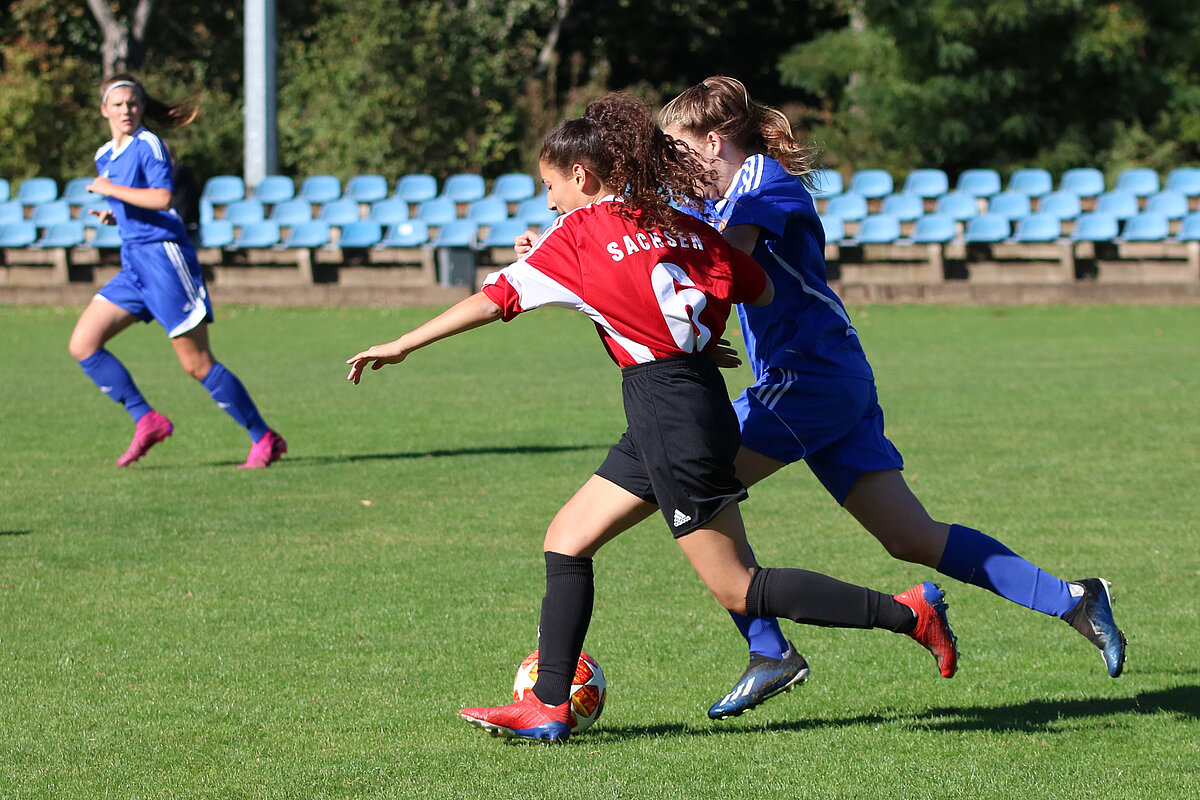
x=168, y=115
x=722, y=105
x=618, y=140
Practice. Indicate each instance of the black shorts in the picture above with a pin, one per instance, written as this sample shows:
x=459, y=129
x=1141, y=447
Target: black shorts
x=682, y=438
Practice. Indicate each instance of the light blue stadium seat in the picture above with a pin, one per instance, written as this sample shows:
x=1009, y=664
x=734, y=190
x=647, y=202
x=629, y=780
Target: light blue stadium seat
x=36, y=191
x=1096, y=227
x=438, y=211
x=459, y=233
x=904, y=206
x=1038, y=227
x=1140, y=181
x=106, y=237
x=987, y=228
x=872, y=183
x=878, y=229
x=979, y=182
x=308, y=235
x=934, y=229
x=464, y=187
x=1185, y=180
x=1190, y=230
x=207, y=211
x=221, y=190
x=513, y=187
x=1171, y=203
x=413, y=233
x=488, y=211
x=826, y=183
x=1119, y=203
x=957, y=205
x=927, y=183
x=1031, y=182
x=290, y=213
x=362, y=233
x=18, y=234
x=63, y=234
x=416, y=188
x=1083, y=181
x=849, y=206
x=320, y=189
x=390, y=211
x=218, y=233
x=343, y=211
x=53, y=213
x=258, y=235
x=1011, y=205
x=534, y=211
x=366, y=188
x=1146, y=227
x=274, y=189
x=11, y=211
x=1061, y=204
x=835, y=229
x=75, y=191
x=245, y=212
x=503, y=233
x=5, y=190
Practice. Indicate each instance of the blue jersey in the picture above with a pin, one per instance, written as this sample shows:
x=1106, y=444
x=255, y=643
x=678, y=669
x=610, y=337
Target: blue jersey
x=142, y=162
x=805, y=328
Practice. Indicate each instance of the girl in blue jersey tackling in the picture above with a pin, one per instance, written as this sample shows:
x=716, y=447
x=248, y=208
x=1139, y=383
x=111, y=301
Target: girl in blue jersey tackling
x=814, y=393
x=160, y=278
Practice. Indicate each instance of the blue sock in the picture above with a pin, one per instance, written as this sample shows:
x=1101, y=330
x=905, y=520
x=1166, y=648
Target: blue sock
x=110, y=375
x=762, y=634
x=976, y=558
x=234, y=400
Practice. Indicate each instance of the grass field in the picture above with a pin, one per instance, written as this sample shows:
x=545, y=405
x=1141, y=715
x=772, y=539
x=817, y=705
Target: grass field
x=181, y=628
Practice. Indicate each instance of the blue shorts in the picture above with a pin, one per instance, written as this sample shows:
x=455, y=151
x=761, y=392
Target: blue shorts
x=161, y=281
x=834, y=424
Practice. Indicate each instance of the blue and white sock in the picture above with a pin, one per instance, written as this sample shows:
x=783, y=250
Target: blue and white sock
x=111, y=377
x=976, y=558
x=232, y=398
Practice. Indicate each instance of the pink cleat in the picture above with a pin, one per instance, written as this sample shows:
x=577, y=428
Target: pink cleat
x=928, y=602
x=151, y=429
x=528, y=718
x=266, y=451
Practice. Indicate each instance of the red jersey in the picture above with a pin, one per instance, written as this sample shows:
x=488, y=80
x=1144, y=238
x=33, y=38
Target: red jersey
x=651, y=294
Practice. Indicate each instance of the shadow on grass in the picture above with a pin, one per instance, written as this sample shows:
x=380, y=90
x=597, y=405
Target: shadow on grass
x=352, y=458
x=15, y=533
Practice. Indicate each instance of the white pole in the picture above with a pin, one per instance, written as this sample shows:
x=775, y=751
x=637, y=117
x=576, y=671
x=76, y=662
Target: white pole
x=260, y=130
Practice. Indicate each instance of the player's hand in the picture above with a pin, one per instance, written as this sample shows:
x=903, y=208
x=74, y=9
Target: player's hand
x=101, y=186
x=105, y=214
x=723, y=355
x=377, y=357
x=523, y=242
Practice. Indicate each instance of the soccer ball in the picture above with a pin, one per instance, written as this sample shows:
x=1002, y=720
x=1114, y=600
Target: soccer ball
x=588, y=689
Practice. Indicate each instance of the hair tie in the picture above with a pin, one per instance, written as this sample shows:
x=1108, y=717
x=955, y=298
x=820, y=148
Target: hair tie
x=104, y=97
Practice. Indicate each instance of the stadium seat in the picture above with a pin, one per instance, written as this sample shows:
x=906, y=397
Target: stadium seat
x=826, y=183
x=534, y=211
x=1185, y=180
x=850, y=206
x=504, y=233
x=290, y=213
x=438, y=211
x=871, y=184
x=5, y=191
x=36, y=191
x=957, y=205
x=245, y=212
x=1032, y=182
x=1038, y=227
x=1171, y=203
x=218, y=233
x=1010, y=205
x=934, y=228
x=366, y=188
x=513, y=187
x=459, y=233
x=320, y=189
x=878, y=229
x=308, y=235
x=1083, y=181
x=18, y=234
x=221, y=190
x=1140, y=181
x=75, y=192
x=904, y=206
x=109, y=237
x=1095, y=227
x=488, y=211
x=979, y=182
x=274, y=189
x=52, y=213
x=207, y=212
x=927, y=183
x=987, y=228
x=1060, y=204
x=390, y=211
x=258, y=235
x=835, y=229
x=413, y=233
x=1190, y=231
x=63, y=234
x=1146, y=227
x=342, y=212
x=416, y=188
x=361, y=234
x=464, y=187
x=11, y=211
x=1118, y=203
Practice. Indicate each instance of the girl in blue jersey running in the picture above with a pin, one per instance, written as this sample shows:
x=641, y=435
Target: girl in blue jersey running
x=160, y=278
x=814, y=393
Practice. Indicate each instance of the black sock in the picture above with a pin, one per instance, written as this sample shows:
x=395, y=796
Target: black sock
x=811, y=598
x=566, y=613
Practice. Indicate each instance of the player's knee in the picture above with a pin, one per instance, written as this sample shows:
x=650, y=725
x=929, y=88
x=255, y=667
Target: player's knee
x=907, y=546
x=81, y=348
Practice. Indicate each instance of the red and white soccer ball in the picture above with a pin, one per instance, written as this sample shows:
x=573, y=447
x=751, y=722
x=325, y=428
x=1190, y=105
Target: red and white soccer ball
x=588, y=689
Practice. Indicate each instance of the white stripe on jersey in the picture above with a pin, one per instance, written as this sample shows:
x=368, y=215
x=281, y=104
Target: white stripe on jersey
x=824, y=298
x=155, y=143
x=746, y=179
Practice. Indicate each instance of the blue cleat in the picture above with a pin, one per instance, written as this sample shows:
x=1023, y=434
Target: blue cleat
x=762, y=680
x=1093, y=617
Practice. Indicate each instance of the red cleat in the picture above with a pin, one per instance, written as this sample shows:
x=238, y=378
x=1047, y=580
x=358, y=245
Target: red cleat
x=529, y=718
x=266, y=451
x=152, y=428
x=928, y=602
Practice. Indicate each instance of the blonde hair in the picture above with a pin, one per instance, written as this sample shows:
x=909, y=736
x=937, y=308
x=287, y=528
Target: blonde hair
x=167, y=115
x=722, y=105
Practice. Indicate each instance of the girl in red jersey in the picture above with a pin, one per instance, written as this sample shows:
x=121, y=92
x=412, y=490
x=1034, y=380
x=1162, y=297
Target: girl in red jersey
x=659, y=286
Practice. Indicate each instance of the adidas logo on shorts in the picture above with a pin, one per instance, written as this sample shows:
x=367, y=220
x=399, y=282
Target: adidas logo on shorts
x=680, y=518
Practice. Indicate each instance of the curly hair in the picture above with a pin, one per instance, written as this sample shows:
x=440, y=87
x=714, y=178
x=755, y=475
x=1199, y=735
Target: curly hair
x=168, y=115
x=618, y=140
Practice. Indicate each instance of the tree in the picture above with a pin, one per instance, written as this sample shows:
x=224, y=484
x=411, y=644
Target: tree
x=124, y=45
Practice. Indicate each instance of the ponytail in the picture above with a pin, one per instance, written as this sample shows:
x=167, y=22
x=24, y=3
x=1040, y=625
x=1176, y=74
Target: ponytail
x=166, y=115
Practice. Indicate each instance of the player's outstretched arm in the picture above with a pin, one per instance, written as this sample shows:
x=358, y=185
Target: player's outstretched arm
x=475, y=311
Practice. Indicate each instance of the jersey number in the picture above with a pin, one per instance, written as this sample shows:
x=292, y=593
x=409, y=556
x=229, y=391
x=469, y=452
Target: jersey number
x=681, y=307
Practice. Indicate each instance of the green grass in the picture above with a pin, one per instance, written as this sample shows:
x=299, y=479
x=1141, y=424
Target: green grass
x=185, y=629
